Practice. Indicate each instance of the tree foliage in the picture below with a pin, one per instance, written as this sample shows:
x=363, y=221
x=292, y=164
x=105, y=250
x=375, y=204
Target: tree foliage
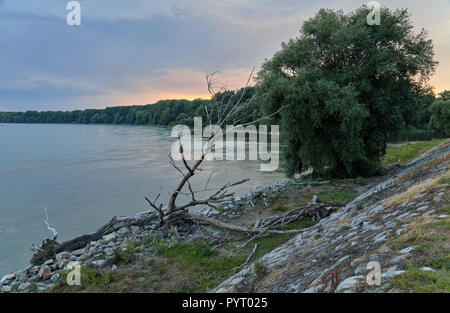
x=346, y=86
x=164, y=112
x=440, y=112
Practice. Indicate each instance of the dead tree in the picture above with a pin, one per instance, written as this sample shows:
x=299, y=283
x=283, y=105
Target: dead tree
x=225, y=113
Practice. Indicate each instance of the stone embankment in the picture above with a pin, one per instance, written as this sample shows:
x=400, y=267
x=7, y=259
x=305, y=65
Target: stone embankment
x=333, y=255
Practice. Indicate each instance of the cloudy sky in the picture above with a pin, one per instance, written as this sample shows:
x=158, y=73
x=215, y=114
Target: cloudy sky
x=130, y=52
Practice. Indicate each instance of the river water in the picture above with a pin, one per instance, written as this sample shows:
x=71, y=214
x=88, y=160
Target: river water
x=86, y=174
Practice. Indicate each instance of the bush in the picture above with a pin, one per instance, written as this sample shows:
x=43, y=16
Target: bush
x=440, y=113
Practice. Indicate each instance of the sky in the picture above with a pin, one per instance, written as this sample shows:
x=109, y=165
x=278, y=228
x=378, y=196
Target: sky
x=135, y=52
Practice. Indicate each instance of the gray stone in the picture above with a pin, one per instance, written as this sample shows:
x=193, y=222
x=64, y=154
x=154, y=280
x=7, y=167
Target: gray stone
x=406, y=250
x=109, y=251
x=55, y=278
x=15, y=285
x=110, y=237
x=34, y=278
x=391, y=273
x=380, y=238
x=314, y=289
x=350, y=284
x=79, y=252
x=134, y=229
x=24, y=286
x=99, y=263
x=123, y=230
x=6, y=289
x=7, y=277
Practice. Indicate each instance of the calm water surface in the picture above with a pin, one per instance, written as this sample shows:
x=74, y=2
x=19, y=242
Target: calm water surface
x=86, y=174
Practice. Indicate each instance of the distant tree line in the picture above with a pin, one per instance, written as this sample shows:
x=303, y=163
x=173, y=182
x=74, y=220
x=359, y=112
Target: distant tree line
x=164, y=112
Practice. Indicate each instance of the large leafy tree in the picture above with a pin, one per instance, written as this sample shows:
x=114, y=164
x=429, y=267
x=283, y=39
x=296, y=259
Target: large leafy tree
x=345, y=87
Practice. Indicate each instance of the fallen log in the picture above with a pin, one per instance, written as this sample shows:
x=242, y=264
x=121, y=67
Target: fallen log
x=50, y=248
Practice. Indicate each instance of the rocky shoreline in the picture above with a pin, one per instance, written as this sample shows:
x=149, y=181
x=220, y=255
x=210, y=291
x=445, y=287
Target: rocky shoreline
x=100, y=252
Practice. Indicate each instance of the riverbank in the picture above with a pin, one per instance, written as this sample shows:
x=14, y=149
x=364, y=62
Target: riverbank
x=199, y=258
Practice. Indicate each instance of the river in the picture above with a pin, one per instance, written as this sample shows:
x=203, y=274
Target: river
x=86, y=174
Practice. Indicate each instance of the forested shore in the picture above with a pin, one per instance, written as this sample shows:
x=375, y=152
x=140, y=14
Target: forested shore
x=163, y=112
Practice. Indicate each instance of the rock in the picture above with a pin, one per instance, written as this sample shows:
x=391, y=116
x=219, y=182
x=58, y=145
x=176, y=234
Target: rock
x=109, y=251
x=213, y=213
x=110, y=237
x=114, y=267
x=14, y=285
x=48, y=262
x=22, y=276
x=6, y=289
x=123, y=230
x=45, y=272
x=55, y=278
x=78, y=252
x=391, y=273
x=34, y=278
x=99, y=263
x=350, y=284
x=384, y=249
x=134, y=229
x=314, y=289
x=380, y=238
x=406, y=250
x=24, y=286
x=7, y=277
x=95, y=244
x=427, y=269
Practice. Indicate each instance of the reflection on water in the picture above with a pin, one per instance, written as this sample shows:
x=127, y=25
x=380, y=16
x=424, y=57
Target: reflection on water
x=86, y=174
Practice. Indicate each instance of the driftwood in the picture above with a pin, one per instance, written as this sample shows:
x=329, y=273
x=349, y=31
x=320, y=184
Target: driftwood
x=264, y=227
x=50, y=248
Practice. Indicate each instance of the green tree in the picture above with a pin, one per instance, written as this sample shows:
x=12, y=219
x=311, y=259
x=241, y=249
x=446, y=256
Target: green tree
x=345, y=87
x=440, y=112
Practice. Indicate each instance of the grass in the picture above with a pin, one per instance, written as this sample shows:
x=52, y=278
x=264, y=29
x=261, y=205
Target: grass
x=91, y=280
x=340, y=196
x=415, y=191
x=431, y=236
x=408, y=151
x=127, y=256
x=205, y=267
x=419, y=281
x=270, y=242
